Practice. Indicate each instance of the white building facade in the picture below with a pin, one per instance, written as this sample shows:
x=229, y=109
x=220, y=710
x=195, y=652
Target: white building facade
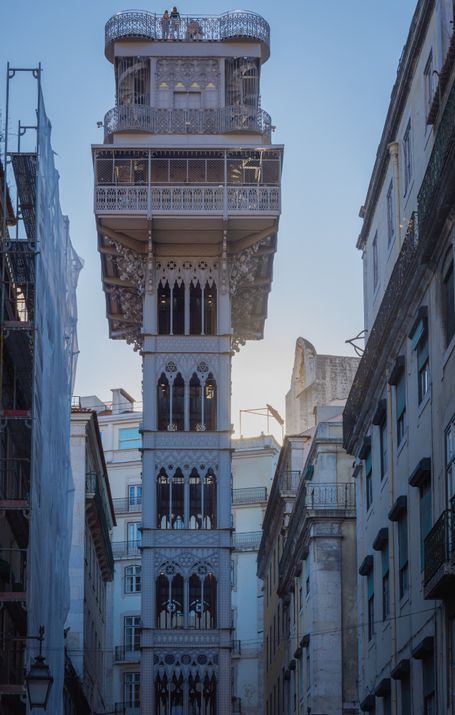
x=253, y=466
x=187, y=200
x=399, y=416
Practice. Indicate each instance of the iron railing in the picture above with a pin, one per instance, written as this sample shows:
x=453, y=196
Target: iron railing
x=330, y=496
x=124, y=654
x=444, y=143
x=289, y=481
x=128, y=505
x=223, y=120
x=439, y=544
x=144, y=25
x=187, y=199
x=126, y=549
x=247, y=541
x=249, y=495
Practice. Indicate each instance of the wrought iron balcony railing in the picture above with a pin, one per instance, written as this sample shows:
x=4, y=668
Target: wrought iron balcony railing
x=289, y=481
x=439, y=555
x=249, y=495
x=224, y=120
x=247, y=541
x=126, y=549
x=330, y=496
x=143, y=25
x=128, y=505
x=187, y=199
x=125, y=654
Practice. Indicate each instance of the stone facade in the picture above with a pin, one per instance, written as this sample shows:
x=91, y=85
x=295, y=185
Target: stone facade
x=399, y=417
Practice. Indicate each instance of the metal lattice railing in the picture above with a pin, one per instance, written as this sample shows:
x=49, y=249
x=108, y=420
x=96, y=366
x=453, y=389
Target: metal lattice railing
x=439, y=544
x=223, y=120
x=126, y=549
x=249, y=495
x=127, y=505
x=143, y=25
x=330, y=496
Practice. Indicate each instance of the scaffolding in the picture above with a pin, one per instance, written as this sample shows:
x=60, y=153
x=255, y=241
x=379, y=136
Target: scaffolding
x=38, y=348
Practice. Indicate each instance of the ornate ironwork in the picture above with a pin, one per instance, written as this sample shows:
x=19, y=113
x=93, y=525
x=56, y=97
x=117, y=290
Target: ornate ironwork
x=143, y=25
x=439, y=544
x=222, y=120
x=330, y=496
x=444, y=144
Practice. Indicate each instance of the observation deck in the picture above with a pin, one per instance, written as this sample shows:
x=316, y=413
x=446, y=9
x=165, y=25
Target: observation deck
x=143, y=25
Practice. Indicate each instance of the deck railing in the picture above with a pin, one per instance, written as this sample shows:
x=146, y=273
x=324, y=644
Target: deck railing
x=224, y=120
x=143, y=25
x=249, y=495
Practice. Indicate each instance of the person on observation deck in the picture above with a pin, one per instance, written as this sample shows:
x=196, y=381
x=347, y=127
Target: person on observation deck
x=165, y=22
x=175, y=23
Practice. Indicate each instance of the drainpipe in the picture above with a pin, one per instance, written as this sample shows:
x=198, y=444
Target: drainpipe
x=391, y=490
x=394, y=151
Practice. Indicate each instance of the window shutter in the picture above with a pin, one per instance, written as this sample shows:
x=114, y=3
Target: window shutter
x=402, y=542
x=401, y=395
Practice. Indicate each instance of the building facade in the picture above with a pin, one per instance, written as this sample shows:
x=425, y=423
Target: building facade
x=399, y=417
x=253, y=466
x=88, y=640
x=38, y=345
x=307, y=552
x=187, y=200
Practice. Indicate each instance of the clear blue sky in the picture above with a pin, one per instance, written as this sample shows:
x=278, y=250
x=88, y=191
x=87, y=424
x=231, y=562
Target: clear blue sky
x=326, y=85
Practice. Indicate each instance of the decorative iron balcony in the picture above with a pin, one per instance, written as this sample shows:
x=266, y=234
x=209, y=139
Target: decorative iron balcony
x=247, y=541
x=289, y=481
x=144, y=25
x=224, y=120
x=128, y=505
x=439, y=556
x=250, y=495
x=126, y=549
x=330, y=496
x=123, y=654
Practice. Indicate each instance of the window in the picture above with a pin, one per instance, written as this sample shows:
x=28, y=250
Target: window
x=129, y=438
x=429, y=703
x=407, y=157
x=403, y=554
x=375, y=262
x=186, y=605
x=425, y=517
x=131, y=690
x=133, y=579
x=132, y=633
x=202, y=404
x=390, y=214
x=383, y=447
x=387, y=704
x=405, y=688
x=448, y=290
x=134, y=537
x=173, y=690
x=368, y=479
x=200, y=511
x=428, y=79
x=170, y=403
x=134, y=496
x=400, y=406
x=419, y=339
x=370, y=594
x=450, y=458
x=385, y=582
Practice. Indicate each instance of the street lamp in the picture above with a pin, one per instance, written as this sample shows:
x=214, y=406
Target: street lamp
x=39, y=679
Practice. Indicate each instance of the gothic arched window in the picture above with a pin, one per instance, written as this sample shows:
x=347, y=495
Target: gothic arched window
x=170, y=500
x=210, y=309
x=164, y=309
x=169, y=601
x=178, y=403
x=163, y=403
x=210, y=403
x=178, y=309
x=195, y=402
x=209, y=501
x=202, y=602
x=195, y=309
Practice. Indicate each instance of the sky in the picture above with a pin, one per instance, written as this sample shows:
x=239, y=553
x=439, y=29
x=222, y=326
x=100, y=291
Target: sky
x=326, y=86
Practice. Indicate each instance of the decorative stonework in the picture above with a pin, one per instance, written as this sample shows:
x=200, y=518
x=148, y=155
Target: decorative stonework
x=187, y=271
x=187, y=72
x=186, y=365
x=186, y=461
x=131, y=266
x=202, y=663
x=186, y=562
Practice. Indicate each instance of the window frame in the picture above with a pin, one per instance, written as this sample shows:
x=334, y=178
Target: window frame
x=136, y=440
x=407, y=156
x=390, y=214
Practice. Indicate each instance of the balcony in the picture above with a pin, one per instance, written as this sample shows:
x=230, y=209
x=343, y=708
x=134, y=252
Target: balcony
x=11, y=669
x=142, y=182
x=439, y=557
x=250, y=495
x=146, y=26
x=330, y=497
x=123, y=654
x=224, y=120
x=289, y=482
x=15, y=495
x=126, y=549
x=128, y=505
x=247, y=541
